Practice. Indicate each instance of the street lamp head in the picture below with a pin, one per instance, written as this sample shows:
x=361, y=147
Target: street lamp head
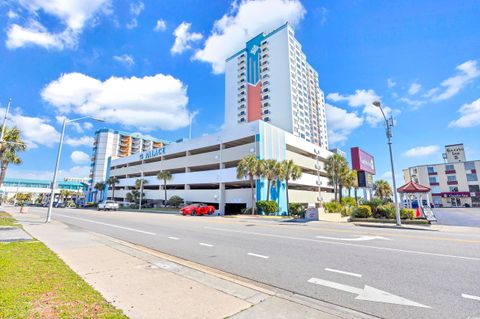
x=98, y=119
x=376, y=103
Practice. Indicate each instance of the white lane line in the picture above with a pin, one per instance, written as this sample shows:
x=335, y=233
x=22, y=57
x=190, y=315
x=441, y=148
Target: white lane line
x=206, y=245
x=344, y=272
x=257, y=255
x=174, y=238
x=346, y=244
x=471, y=297
x=110, y=225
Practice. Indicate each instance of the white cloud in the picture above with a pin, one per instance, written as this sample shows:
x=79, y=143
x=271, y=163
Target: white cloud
x=364, y=98
x=87, y=125
x=469, y=115
x=79, y=141
x=12, y=14
x=467, y=72
x=411, y=102
x=124, y=59
x=151, y=102
x=391, y=83
x=184, y=38
x=341, y=123
x=161, y=25
x=73, y=14
x=421, y=151
x=81, y=171
x=245, y=20
x=35, y=131
x=79, y=157
x=414, y=88
x=135, y=10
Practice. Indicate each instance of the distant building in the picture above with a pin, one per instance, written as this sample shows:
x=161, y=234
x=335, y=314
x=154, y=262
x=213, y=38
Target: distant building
x=111, y=144
x=338, y=151
x=76, y=179
x=271, y=80
x=453, y=183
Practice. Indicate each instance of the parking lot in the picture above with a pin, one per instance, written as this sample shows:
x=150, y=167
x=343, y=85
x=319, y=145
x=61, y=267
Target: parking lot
x=458, y=216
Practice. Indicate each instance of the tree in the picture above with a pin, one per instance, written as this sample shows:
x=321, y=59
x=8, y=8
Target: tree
x=175, y=201
x=350, y=180
x=248, y=168
x=270, y=170
x=134, y=195
x=290, y=172
x=165, y=176
x=382, y=189
x=8, y=151
x=112, y=181
x=335, y=166
x=65, y=194
x=100, y=186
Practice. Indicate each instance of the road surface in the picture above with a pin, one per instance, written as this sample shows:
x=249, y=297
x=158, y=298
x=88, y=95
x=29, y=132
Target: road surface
x=458, y=216
x=389, y=273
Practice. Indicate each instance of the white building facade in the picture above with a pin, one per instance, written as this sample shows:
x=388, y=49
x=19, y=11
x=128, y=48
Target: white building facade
x=271, y=80
x=453, y=183
x=111, y=144
x=204, y=169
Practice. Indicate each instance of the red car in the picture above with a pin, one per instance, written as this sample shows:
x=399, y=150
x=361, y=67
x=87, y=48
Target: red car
x=197, y=209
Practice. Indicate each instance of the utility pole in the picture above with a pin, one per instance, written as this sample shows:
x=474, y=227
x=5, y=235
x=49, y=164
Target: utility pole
x=5, y=119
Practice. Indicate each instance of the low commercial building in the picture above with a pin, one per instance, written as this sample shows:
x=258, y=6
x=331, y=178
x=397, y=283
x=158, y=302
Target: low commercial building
x=453, y=183
x=204, y=169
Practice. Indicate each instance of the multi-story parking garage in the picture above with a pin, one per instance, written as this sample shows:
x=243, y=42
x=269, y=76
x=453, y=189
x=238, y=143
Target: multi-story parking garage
x=204, y=169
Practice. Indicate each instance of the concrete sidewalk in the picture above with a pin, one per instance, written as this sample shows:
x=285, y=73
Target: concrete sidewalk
x=145, y=283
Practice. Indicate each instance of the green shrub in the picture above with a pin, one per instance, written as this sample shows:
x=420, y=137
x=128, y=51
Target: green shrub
x=385, y=211
x=348, y=201
x=374, y=203
x=332, y=207
x=267, y=206
x=347, y=211
x=407, y=213
x=362, y=211
x=296, y=209
x=175, y=201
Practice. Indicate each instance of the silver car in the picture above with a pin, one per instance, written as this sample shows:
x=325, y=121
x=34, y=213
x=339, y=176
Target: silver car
x=108, y=205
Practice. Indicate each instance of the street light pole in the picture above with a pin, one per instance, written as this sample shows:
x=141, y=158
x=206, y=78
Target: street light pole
x=59, y=153
x=5, y=119
x=388, y=131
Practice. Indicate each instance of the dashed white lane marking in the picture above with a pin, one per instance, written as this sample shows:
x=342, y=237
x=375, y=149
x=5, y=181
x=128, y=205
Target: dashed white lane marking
x=106, y=224
x=206, y=245
x=257, y=255
x=344, y=272
x=174, y=238
x=471, y=297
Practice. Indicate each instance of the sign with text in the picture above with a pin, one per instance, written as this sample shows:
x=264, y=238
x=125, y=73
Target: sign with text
x=362, y=161
x=455, y=153
x=151, y=154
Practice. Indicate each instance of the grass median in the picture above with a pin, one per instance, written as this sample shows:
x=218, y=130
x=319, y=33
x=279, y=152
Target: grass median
x=36, y=283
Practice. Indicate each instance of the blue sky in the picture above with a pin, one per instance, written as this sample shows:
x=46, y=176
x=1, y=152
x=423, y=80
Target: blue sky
x=148, y=65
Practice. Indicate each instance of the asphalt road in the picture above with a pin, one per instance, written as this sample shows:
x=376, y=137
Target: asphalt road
x=430, y=274
x=458, y=216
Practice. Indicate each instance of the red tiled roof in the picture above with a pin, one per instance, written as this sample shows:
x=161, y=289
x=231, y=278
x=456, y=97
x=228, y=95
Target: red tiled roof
x=412, y=187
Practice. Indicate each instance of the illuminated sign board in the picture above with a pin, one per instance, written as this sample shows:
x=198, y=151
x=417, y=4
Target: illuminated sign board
x=362, y=161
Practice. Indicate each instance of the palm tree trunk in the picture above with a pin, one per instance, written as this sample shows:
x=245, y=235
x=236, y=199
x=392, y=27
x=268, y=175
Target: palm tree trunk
x=253, y=195
x=113, y=192
x=288, y=199
x=335, y=188
x=349, y=192
x=268, y=190
x=165, y=190
x=340, y=186
x=356, y=198
x=2, y=175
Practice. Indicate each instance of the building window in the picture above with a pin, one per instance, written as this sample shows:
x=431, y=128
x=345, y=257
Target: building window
x=451, y=178
x=435, y=189
x=472, y=177
x=431, y=169
x=432, y=180
x=453, y=188
x=449, y=167
x=469, y=166
x=473, y=188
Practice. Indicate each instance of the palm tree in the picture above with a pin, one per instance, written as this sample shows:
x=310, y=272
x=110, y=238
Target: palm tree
x=8, y=151
x=270, y=170
x=382, y=189
x=100, y=186
x=165, y=176
x=335, y=166
x=112, y=181
x=248, y=168
x=349, y=180
x=290, y=172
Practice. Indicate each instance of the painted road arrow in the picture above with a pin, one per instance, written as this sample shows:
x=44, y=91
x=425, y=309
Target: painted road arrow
x=368, y=293
x=361, y=238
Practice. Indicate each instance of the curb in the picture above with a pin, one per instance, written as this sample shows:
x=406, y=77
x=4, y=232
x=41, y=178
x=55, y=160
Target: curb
x=379, y=225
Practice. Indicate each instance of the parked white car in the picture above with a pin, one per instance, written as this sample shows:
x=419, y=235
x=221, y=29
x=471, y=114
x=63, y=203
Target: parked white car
x=108, y=205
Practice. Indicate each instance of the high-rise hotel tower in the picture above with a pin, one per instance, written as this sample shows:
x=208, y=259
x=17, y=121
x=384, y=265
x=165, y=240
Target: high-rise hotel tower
x=271, y=80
